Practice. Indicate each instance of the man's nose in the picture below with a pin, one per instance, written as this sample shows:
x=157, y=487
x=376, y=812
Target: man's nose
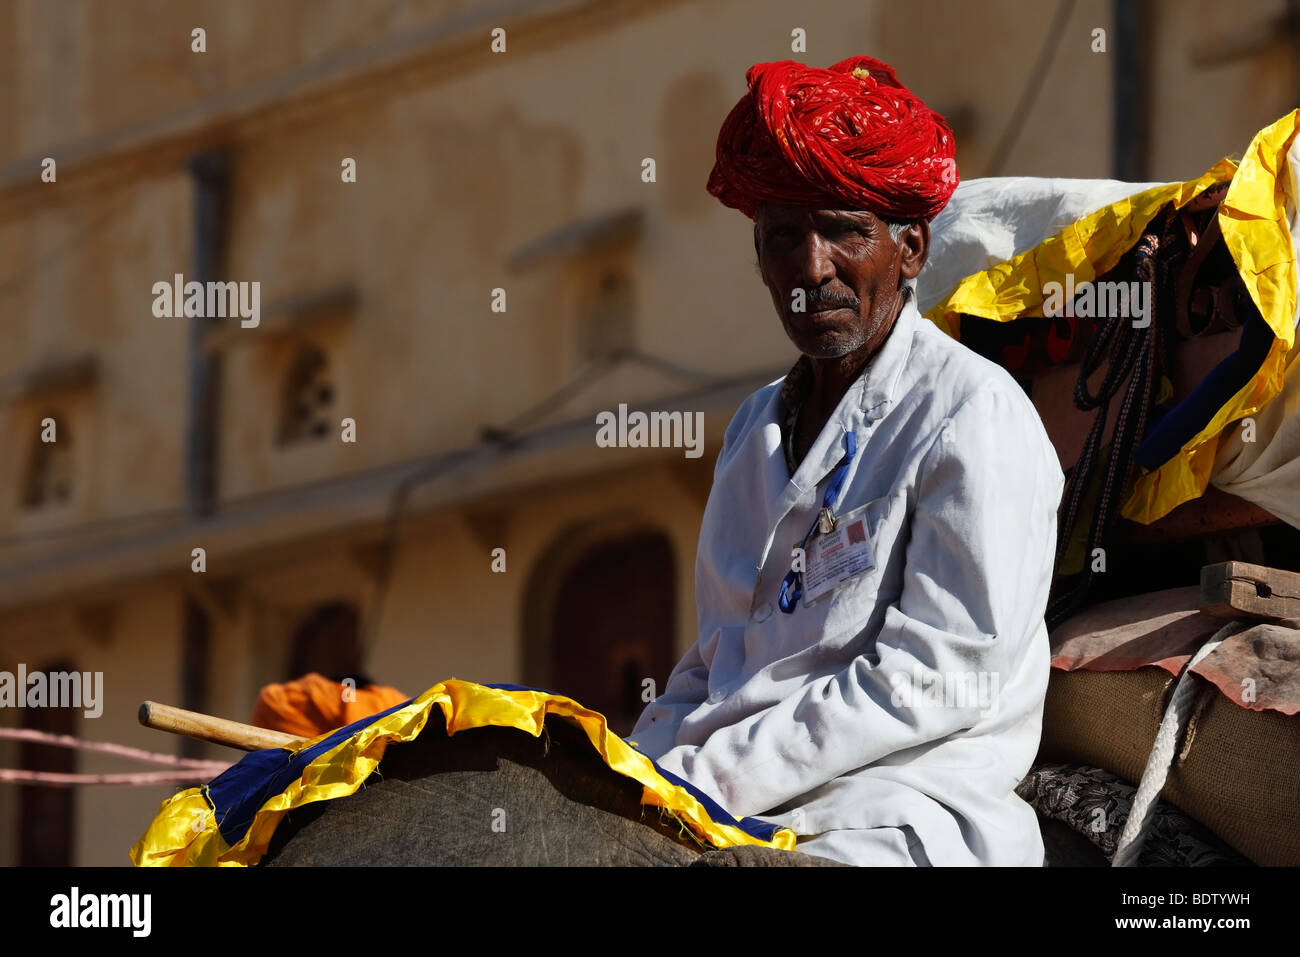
x=814, y=260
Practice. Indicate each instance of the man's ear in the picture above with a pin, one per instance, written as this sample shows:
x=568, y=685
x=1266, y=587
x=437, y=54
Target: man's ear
x=914, y=248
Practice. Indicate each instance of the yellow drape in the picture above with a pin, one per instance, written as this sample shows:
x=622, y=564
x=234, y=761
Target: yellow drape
x=1254, y=220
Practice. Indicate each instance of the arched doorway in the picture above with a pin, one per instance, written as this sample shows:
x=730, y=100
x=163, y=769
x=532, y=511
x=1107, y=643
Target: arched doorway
x=611, y=625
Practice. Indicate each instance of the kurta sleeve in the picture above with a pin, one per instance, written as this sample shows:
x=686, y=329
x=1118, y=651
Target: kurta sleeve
x=656, y=730
x=978, y=568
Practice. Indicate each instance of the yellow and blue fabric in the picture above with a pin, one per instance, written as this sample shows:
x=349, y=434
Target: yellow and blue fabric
x=230, y=820
x=1256, y=227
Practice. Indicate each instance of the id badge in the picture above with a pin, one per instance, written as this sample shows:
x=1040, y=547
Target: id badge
x=837, y=556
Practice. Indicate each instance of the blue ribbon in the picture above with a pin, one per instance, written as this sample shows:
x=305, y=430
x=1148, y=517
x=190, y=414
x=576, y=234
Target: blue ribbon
x=792, y=584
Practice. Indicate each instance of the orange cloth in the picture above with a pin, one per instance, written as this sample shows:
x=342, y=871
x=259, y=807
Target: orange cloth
x=312, y=705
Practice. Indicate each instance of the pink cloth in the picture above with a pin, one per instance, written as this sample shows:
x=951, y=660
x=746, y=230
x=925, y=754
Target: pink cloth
x=1165, y=629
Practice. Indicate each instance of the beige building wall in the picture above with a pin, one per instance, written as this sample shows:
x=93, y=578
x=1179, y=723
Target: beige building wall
x=464, y=158
x=137, y=653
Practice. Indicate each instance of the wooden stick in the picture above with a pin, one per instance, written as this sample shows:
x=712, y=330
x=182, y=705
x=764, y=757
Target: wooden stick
x=205, y=727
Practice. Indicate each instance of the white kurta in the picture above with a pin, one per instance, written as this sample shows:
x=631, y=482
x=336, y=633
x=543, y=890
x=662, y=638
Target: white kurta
x=840, y=720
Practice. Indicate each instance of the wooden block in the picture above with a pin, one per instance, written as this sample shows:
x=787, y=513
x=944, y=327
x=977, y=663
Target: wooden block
x=1242, y=590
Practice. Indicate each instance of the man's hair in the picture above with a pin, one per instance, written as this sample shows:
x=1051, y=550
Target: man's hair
x=896, y=229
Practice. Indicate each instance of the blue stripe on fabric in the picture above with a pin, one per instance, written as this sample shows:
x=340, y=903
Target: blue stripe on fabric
x=750, y=825
x=1166, y=438
x=238, y=793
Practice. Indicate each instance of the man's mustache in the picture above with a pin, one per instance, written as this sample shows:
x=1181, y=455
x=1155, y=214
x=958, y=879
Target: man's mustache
x=822, y=298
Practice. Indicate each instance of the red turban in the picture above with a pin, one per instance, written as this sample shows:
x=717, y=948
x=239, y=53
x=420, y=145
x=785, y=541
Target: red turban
x=850, y=137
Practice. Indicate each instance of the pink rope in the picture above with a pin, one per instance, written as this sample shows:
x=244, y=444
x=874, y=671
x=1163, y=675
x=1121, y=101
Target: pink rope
x=131, y=779
x=104, y=747
x=186, y=769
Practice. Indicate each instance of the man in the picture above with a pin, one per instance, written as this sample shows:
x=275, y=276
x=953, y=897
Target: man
x=879, y=693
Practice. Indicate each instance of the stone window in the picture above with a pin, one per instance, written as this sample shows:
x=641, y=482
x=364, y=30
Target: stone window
x=605, y=321
x=307, y=398
x=48, y=480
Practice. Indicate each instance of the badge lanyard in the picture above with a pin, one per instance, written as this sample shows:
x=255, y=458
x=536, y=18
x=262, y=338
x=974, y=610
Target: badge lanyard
x=792, y=585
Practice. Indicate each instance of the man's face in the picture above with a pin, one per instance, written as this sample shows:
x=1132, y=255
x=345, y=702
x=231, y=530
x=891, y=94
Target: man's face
x=848, y=267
